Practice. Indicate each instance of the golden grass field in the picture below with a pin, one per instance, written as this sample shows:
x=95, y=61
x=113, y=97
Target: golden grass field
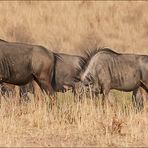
x=71, y=27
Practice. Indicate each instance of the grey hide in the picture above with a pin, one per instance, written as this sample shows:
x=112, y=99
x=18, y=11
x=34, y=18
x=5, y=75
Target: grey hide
x=21, y=63
x=67, y=72
x=108, y=70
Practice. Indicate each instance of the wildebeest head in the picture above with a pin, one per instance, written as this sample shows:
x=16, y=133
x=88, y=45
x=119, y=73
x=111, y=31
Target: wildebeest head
x=87, y=79
x=89, y=74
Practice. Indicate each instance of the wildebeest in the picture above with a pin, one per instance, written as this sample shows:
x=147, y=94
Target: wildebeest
x=108, y=70
x=66, y=69
x=21, y=63
x=66, y=72
x=7, y=88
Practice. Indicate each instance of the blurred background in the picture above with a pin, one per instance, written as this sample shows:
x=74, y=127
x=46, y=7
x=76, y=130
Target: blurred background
x=73, y=26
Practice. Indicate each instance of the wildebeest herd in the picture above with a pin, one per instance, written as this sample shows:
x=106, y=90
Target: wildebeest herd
x=100, y=69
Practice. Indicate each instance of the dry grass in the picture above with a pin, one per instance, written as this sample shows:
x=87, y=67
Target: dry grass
x=69, y=27
x=72, y=124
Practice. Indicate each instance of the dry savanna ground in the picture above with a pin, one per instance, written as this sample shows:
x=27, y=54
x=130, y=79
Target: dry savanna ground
x=71, y=27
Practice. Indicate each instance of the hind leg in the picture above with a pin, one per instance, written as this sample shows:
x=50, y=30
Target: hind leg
x=44, y=78
x=45, y=85
x=24, y=90
x=44, y=81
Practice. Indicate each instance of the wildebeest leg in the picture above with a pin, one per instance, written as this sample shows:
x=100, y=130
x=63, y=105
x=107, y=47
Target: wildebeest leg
x=105, y=97
x=9, y=90
x=3, y=90
x=23, y=92
x=76, y=94
x=104, y=87
x=25, y=89
x=44, y=80
x=44, y=84
x=137, y=99
x=78, y=91
x=16, y=94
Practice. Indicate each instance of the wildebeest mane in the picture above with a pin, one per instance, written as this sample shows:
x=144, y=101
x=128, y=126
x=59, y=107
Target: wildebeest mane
x=82, y=63
x=89, y=53
x=84, y=60
x=57, y=56
x=108, y=50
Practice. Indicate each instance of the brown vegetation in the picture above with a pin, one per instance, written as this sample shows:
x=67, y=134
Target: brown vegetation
x=70, y=27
